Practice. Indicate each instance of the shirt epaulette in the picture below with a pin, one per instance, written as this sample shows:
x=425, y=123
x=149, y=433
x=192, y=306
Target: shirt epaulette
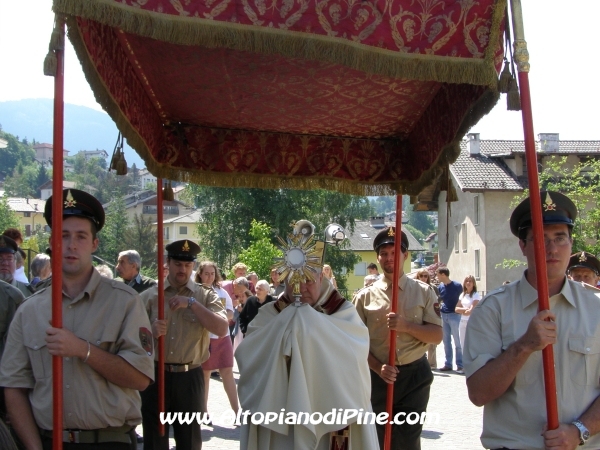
x=357, y=293
x=119, y=285
x=491, y=293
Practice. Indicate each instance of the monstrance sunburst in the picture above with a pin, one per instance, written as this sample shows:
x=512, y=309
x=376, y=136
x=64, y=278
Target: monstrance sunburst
x=302, y=256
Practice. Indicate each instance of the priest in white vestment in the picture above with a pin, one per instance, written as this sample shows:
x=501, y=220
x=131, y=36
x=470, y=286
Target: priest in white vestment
x=306, y=359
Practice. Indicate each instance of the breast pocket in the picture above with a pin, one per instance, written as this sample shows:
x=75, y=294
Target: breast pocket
x=189, y=316
x=584, y=360
x=41, y=360
x=377, y=323
x=107, y=339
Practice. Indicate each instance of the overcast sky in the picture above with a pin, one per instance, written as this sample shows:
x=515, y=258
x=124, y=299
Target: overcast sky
x=560, y=35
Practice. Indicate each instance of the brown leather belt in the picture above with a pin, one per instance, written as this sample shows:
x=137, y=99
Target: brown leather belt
x=178, y=367
x=104, y=435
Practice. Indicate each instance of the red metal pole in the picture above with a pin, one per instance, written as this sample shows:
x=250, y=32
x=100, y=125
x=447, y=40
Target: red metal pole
x=389, y=405
x=161, y=303
x=56, y=239
x=522, y=59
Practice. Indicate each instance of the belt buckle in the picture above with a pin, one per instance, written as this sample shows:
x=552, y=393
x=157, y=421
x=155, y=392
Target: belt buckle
x=71, y=436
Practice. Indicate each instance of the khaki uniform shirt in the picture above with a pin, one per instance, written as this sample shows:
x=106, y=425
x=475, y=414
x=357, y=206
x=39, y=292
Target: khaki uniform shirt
x=186, y=341
x=22, y=287
x=516, y=418
x=417, y=302
x=109, y=315
x=10, y=299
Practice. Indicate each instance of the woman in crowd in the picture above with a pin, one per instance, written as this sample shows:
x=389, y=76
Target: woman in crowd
x=467, y=301
x=253, y=304
x=221, y=349
x=424, y=276
x=329, y=274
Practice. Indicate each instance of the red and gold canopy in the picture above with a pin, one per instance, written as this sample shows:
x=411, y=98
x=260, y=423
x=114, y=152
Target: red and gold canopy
x=359, y=96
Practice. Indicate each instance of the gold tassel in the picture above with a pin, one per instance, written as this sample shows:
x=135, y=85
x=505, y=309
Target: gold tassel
x=168, y=195
x=121, y=164
x=50, y=64
x=113, y=162
x=57, y=40
x=451, y=196
x=513, y=99
x=505, y=77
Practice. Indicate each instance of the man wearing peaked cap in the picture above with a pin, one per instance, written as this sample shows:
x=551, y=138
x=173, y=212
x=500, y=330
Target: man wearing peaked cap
x=584, y=267
x=78, y=203
x=417, y=323
x=106, y=346
x=506, y=333
x=8, y=264
x=191, y=312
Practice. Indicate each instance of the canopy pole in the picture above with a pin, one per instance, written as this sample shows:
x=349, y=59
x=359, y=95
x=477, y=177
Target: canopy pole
x=56, y=239
x=389, y=405
x=522, y=59
x=161, y=303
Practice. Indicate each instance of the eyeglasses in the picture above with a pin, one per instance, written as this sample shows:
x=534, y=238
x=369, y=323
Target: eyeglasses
x=559, y=241
x=424, y=276
x=7, y=260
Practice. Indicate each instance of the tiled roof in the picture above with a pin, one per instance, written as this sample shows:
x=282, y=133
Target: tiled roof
x=191, y=217
x=483, y=172
x=487, y=170
x=364, y=233
x=489, y=147
x=19, y=204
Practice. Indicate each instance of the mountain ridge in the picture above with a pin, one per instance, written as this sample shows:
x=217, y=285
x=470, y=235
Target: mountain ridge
x=85, y=128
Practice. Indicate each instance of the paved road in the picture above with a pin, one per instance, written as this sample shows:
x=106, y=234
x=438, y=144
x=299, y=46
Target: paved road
x=460, y=429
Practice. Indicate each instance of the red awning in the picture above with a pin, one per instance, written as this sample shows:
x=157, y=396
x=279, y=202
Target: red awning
x=363, y=97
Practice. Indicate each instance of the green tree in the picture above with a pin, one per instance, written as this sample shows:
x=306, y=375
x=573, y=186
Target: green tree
x=42, y=177
x=581, y=183
x=8, y=218
x=15, y=152
x=141, y=236
x=23, y=181
x=261, y=252
x=228, y=214
x=112, y=236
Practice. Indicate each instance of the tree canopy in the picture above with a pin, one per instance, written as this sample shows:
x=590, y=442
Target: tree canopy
x=581, y=183
x=228, y=214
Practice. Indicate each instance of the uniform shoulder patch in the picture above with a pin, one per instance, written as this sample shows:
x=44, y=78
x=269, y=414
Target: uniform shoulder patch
x=146, y=340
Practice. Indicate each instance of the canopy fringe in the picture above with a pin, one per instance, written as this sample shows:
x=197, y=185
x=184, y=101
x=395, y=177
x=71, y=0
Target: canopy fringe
x=266, y=40
x=448, y=154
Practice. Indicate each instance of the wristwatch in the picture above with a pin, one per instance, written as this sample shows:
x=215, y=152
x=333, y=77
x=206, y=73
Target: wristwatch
x=191, y=301
x=584, y=433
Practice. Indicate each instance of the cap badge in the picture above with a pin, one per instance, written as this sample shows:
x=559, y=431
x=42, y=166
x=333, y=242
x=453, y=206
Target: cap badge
x=186, y=247
x=70, y=201
x=391, y=232
x=549, y=205
x=582, y=257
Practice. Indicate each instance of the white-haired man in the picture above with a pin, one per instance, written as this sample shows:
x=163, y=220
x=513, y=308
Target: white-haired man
x=129, y=265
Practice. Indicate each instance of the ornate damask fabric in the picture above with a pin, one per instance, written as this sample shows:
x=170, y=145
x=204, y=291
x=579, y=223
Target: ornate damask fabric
x=219, y=114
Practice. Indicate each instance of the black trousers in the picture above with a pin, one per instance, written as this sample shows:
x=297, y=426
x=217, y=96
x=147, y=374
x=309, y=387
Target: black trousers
x=411, y=394
x=47, y=445
x=184, y=392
